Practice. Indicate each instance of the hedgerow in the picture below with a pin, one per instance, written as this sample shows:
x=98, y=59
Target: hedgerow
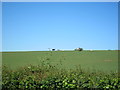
x=48, y=76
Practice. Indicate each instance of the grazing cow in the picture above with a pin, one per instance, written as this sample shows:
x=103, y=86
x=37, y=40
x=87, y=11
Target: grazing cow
x=53, y=49
x=78, y=49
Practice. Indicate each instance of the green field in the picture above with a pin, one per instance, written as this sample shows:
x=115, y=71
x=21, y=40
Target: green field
x=56, y=70
x=96, y=60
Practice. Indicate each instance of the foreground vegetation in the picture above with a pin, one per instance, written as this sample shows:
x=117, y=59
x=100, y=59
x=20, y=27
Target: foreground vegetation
x=60, y=69
x=49, y=76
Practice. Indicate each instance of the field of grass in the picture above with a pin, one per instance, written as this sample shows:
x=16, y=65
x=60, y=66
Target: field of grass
x=60, y=69
x=96, y=60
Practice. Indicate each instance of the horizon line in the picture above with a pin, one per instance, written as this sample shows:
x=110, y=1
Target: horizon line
x=62, y=50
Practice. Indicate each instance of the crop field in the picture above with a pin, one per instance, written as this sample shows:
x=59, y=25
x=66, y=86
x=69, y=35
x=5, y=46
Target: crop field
x=95, y=60
x=60, y=69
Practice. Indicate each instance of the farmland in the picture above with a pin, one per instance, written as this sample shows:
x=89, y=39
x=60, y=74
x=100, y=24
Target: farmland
x=100, y=60
x=60, y=69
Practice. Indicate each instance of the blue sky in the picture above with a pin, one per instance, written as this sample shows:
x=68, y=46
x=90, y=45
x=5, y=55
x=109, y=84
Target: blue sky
x=37, y=26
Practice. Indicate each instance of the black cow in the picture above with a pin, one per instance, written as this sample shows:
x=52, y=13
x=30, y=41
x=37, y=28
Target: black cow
x=53, y=49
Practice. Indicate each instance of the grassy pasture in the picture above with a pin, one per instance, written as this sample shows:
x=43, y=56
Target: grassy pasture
x=56, y=70
x=98, y=60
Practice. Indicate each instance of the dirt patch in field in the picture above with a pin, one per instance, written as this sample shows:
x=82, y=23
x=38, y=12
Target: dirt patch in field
x=107, y=60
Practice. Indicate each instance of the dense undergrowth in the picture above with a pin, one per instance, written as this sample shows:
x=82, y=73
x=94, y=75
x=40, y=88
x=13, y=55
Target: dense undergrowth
x=47, y=76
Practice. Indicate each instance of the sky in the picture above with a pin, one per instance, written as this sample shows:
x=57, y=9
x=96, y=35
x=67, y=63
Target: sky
x=37, y=26
x=60, y=0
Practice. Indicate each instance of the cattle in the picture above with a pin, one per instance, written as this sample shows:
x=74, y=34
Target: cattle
x=53, y=49
x=78, y=49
